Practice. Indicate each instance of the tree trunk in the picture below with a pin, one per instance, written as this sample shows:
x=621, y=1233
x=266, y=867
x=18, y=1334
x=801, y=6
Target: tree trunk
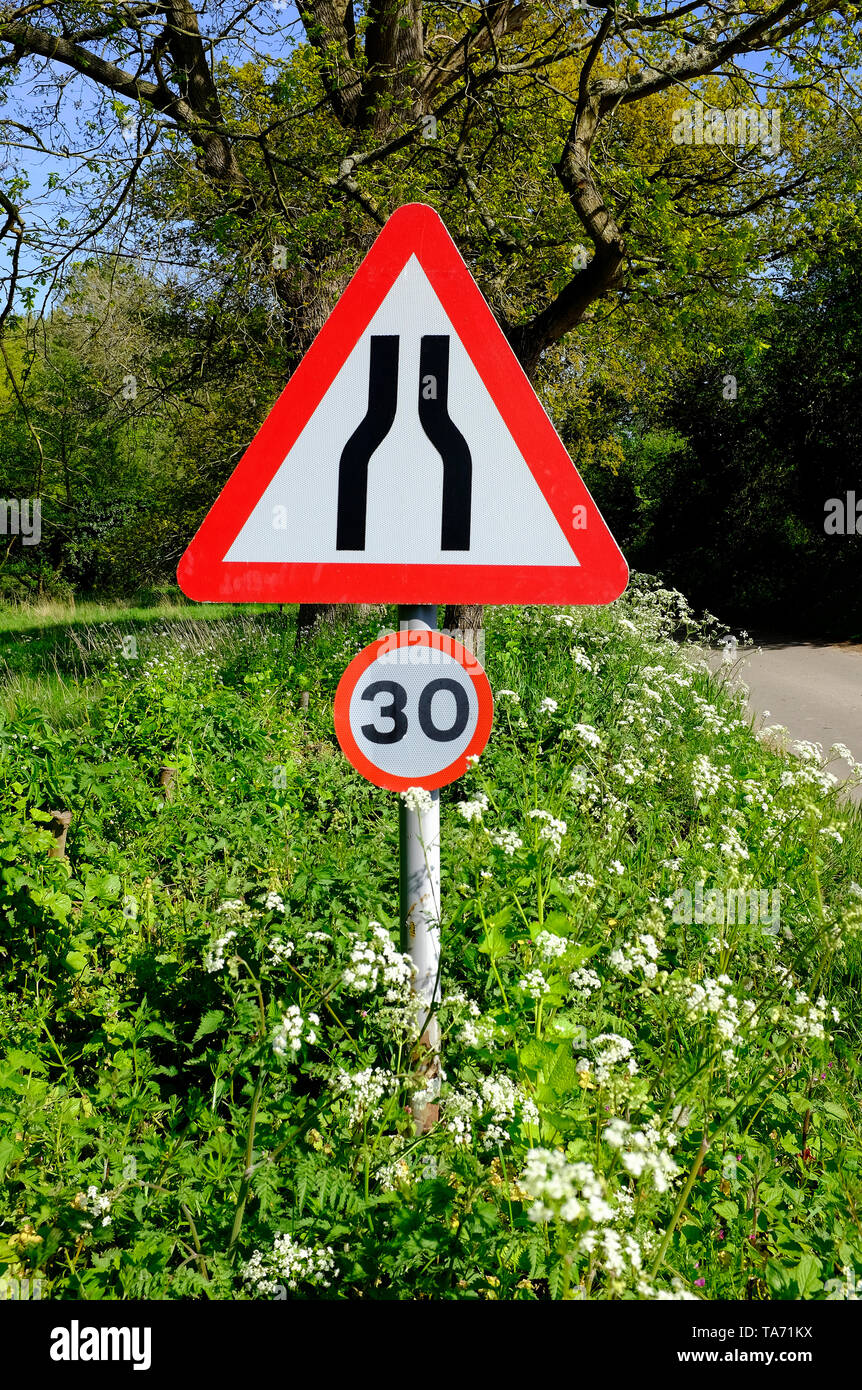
x=464, y=621
x=334, y=614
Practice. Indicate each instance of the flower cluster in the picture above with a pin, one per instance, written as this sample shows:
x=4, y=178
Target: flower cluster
x=293, y=1030
x=534, y=984
x=563, y=1191
x=714, y=1001
x=807, y=1017
x=705, y=779
x=214, y=957
x=96, y=1203
x=280, y=949
x=376, y=964
x=641, y=954
x=551, y=829
x=587, y=734
x=506, y=840
x=610, y=1050
x=474, y=1029
x=289, y=1264
x=492, y=1106
x=585, y=983
x=551, y=946
x=473, y=810
x=365, y=1089
x=640, y=1151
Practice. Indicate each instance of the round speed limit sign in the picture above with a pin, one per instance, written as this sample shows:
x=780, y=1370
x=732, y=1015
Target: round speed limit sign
x=412, y=709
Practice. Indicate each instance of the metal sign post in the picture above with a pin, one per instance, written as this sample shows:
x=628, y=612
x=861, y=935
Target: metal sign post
x=412, y=712
x=419, y=873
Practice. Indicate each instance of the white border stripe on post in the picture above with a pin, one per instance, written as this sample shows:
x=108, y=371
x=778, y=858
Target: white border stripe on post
x=419, y=841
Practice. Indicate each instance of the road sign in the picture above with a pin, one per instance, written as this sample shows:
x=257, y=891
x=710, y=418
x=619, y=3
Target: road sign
x=408, y=458
x=412, y=709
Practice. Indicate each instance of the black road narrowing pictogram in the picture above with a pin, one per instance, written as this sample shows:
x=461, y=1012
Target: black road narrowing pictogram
x=366, y=438
x=433, y=407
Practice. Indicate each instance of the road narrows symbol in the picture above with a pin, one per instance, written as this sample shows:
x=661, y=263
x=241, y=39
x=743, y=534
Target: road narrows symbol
x=433, y=405
x=366, y=438
x=448, y=441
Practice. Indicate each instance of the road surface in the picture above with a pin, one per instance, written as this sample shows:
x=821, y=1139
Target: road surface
x=815, y=690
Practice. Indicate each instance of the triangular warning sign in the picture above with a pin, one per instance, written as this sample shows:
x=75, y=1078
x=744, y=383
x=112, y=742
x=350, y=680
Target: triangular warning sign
x=408, y=459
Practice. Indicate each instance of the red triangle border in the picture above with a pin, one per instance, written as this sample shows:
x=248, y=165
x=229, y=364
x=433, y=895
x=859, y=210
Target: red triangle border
x=602, y=575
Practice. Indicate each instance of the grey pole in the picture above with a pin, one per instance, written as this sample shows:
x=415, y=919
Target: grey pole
x=419, y=842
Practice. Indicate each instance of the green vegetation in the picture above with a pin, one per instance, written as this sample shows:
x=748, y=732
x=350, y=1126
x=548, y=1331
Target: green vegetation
x=634, y=1104
x=194, y=214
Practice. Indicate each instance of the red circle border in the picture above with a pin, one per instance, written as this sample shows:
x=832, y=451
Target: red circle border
x=414, y=637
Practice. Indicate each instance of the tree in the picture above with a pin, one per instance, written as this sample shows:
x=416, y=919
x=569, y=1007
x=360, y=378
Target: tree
x=553, y=128
x=743, y=488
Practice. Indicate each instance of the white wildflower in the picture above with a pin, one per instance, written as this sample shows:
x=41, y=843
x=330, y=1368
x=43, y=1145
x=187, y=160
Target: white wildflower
x=214, y=957
x=570, y=1192
x=534, y=984
x=289, y=1264
x=588, y=735
x=551, y=946
x=280, y=950
x=473, y=810
x=365, y=1089
x=506, y=840
x=288, y=1036
x=417, y=799
x=585, y=983
x=552, y=830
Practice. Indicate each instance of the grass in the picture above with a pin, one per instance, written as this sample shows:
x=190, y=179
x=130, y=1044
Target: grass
x=637, y=1100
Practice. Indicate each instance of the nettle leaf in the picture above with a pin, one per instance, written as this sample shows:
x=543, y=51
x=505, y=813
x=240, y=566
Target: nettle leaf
x=209, y=1023
x=807, y=1275
x=799, y=1100
x=563, y=1078
x=538, y=1056
x=831, y=1107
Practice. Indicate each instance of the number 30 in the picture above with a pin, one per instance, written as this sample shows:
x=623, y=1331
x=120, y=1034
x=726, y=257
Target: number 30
x=394, y=711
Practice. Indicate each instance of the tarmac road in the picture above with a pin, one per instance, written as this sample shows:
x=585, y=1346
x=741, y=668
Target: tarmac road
x=814, y=689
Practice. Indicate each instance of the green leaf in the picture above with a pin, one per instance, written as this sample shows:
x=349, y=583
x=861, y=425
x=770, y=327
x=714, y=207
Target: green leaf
x=209, y=1023
x=807, y=1275
x=831, y=1107
x=563, y=1078
x=726, y=1209
x=8, y=1151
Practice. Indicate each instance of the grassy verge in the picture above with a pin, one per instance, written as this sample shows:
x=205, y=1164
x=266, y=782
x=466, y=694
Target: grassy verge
x=205, y=1032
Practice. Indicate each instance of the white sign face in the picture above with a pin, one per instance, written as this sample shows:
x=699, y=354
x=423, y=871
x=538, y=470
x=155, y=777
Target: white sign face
x=510, y=522
x=412, y=709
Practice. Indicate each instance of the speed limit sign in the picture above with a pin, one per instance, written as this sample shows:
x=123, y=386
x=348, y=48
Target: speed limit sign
x=412, y=709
